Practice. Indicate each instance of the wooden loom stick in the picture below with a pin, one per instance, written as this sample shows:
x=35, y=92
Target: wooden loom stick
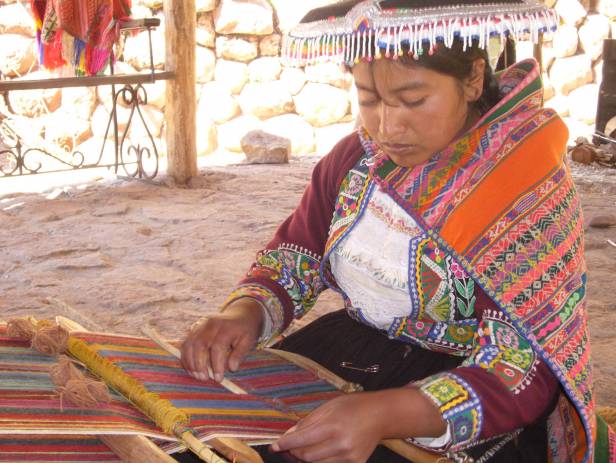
x=399, y=446
x=232, y=448
x=123, y=444
x=133, y=449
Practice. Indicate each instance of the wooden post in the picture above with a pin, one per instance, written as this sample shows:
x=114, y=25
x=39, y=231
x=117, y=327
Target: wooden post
x=181, y=103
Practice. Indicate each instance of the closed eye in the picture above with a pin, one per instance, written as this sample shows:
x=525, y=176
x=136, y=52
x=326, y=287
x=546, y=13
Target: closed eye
x=414, y=103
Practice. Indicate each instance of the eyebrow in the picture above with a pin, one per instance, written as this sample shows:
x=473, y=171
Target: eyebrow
x=402, y=88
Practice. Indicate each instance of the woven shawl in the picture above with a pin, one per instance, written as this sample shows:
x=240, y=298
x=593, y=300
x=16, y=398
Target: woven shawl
x=78, y=33
x=502, y=201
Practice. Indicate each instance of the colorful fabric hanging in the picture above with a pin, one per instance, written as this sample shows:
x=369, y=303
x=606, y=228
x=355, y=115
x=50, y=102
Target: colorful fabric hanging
x=78, y=34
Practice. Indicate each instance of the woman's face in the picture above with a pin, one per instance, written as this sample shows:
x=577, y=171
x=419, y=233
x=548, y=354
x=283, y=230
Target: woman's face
x=413, y=112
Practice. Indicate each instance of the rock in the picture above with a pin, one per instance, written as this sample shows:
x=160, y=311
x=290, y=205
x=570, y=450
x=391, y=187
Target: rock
x=99, y=120
x=140, y=11
x=571, y=11
x=583, y=103
x=153, y=118
x=607, y=8
x=329, y=73
x=206, y=136
x=206, y=36
x=592, y=32
x=597, y=72
x=16, y=55
x=216, y=103
x=327, y=137
x=206, y=64
x=558, y=103
x=230, y=133
x=603, y=221
x=577, y=129
x=33, y=103
x=264, y=69
x=205, y=5
x=265, y=99
x=548, y=90
x=67, y=131
x=570, y=73
x=565, y=41
x=15, y=19
x=137, y=50
x=292, y=126
x=236, y=49
x=524, y=50
x=254, y=17
x=322, y=104
x=157, y=93
x=79, y=101
x=289, y=13
x=293, y=79
x=264, y=148
x=270, y=45
x=547, y=57
x=231, y=74
x=152, y=4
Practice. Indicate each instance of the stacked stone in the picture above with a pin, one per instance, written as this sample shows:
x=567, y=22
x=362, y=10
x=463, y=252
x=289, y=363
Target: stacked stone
x=242, y=85
x=58, y=117
x=572, y=60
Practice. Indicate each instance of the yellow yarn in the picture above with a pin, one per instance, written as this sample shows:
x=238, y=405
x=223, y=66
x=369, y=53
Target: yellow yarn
x=169, y=418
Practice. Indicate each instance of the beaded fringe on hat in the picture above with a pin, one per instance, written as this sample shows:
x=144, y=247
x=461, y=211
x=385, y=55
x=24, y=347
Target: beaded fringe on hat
x=369, y=31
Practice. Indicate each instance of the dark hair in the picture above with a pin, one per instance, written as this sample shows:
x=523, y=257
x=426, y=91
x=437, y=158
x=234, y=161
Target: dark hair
x=457, y=62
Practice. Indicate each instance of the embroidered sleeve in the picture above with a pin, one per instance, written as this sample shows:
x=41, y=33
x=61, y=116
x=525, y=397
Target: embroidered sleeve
x=285, y=277
x=501, y=387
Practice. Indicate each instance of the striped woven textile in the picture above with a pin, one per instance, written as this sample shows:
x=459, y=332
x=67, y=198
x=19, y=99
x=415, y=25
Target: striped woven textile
x=278, y=391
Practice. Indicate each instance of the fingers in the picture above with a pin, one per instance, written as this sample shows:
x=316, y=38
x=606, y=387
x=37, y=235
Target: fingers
x=244, y=344
x=214, y=345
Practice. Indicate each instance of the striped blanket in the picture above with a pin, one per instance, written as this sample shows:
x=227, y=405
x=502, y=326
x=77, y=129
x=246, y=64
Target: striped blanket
x=35, y=422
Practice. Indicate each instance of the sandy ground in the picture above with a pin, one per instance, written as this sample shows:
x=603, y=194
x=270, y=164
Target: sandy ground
x=116, y=255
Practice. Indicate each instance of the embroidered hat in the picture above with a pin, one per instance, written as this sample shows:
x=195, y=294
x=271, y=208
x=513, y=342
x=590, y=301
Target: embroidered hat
x=350, y=31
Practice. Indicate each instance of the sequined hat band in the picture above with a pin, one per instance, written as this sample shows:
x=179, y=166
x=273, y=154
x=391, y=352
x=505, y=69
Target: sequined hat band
x=369, y=29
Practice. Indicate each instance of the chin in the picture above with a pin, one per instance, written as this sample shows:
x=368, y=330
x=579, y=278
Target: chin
x=410, y=159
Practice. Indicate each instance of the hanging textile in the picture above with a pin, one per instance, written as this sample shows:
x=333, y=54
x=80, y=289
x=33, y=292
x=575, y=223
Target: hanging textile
x=78, y=34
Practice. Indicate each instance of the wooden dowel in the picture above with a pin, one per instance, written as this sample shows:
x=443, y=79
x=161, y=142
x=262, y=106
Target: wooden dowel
x=136, y=449
x=233, y=449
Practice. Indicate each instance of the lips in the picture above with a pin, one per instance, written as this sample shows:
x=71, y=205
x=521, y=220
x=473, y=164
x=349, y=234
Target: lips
x=397, y=148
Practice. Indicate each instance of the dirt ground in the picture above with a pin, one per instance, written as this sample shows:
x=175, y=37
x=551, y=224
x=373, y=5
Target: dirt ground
x=117, y=255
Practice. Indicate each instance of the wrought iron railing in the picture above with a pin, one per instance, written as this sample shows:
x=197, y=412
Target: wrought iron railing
x=21, y=155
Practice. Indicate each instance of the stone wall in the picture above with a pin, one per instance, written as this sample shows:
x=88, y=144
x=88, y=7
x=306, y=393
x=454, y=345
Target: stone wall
x=242, y=85
x=572, y=60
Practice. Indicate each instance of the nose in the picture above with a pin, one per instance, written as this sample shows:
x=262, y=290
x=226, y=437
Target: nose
x=391, y=123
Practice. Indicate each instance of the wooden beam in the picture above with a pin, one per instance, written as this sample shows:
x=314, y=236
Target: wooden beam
x=181, y=101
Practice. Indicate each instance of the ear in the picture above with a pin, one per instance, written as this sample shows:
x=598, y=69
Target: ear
x=473, y=84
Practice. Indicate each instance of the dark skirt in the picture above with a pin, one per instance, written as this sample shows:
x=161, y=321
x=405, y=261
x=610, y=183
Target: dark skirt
x=336, y=338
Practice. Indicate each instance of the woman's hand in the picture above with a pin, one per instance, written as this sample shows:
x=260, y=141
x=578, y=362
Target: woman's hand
x=221, y=341
x=347, y=429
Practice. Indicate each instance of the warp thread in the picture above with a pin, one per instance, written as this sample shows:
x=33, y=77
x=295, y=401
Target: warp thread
x=52, y=339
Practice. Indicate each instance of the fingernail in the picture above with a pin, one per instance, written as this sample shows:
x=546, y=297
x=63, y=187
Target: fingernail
x=275, y=447
x=291, y=429
x=218, y=377
x=233, y=365
x=202, y=377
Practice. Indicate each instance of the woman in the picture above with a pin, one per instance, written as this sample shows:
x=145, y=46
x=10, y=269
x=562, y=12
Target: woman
x=456, y=243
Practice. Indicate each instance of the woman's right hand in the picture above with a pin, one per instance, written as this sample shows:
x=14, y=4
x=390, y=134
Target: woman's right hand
x=221, y=341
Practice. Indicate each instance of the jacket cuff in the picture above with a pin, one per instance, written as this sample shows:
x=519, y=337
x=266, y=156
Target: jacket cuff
x=459, y=405
x=275, y=321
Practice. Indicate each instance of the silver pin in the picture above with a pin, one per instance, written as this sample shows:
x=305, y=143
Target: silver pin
x=371, y=369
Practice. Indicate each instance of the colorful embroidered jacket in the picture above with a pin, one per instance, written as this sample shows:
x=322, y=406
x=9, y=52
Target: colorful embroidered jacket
x=498, y=203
